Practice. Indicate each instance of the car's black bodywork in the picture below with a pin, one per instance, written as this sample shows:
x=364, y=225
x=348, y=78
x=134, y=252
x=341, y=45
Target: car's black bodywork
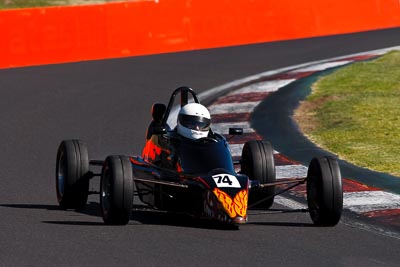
x=199, y=171
x=197, y=177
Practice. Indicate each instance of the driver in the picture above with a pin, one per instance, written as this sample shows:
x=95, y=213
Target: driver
x=194, y=121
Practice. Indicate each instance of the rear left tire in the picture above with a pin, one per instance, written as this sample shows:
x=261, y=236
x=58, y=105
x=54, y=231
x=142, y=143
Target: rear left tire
x=72, y=169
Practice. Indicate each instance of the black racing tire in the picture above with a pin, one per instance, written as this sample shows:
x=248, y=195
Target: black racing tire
x=324, y=191
x=258, y=164
x=116, y=190
x=72, y=174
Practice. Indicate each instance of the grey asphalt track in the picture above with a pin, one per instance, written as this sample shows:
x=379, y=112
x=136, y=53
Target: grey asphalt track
x=107, y=104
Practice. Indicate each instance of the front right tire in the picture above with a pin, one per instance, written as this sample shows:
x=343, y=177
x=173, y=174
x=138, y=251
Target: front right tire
x=324, y=191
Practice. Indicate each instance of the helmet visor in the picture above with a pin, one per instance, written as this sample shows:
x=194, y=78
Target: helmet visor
x=194, y=122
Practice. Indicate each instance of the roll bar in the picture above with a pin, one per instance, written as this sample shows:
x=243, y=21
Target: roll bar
x=184, y=91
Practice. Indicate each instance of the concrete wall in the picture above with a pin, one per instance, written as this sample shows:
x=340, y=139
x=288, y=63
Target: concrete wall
x=66, y=34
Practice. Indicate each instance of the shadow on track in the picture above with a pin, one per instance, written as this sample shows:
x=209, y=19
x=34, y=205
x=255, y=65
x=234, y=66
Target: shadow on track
x=252, y=213
x=80, y=223
x=143, y=215
x=147, y=216
x=91, y=209
x=283, y=224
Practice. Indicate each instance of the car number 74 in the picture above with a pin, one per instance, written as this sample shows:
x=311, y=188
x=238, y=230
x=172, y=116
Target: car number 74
x=226, y=180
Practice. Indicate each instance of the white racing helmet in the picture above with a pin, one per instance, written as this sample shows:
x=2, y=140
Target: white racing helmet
x=194, y=121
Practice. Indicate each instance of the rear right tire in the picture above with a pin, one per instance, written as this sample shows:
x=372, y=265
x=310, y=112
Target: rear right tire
x=258, y=164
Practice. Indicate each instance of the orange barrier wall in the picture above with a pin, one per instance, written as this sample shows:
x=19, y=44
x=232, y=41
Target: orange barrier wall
x=65, y=34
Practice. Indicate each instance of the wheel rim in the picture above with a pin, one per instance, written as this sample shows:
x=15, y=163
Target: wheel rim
x=105, y=192
x=61, y=175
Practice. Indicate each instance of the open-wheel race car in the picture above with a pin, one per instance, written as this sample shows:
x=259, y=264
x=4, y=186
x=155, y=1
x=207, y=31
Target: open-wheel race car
x=194, y=176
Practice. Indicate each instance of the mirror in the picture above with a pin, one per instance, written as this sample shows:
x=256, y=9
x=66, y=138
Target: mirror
x=235, y=131
x=157, y=111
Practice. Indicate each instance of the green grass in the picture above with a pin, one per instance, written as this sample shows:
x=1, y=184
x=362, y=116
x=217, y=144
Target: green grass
x=7, y=4
x=355, y=113
x=28, y=3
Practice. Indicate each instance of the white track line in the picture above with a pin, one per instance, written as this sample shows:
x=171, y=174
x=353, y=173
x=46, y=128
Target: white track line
x=263, y=87
x=256, y=77
x=366, y=201
x=324, y=66
x=233, y=108
x=290, y=203
x=236, y=149
x=291, y=171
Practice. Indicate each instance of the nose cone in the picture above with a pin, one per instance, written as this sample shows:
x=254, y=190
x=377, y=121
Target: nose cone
x=239, y=220
x=235, y=207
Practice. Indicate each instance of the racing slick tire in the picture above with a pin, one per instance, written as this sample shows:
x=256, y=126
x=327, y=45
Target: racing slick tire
x=258, y=164
x=324, y=191
x=72, y=174
x=116, y=190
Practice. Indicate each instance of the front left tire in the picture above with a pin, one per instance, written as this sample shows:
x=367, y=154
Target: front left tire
x=116, y=190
